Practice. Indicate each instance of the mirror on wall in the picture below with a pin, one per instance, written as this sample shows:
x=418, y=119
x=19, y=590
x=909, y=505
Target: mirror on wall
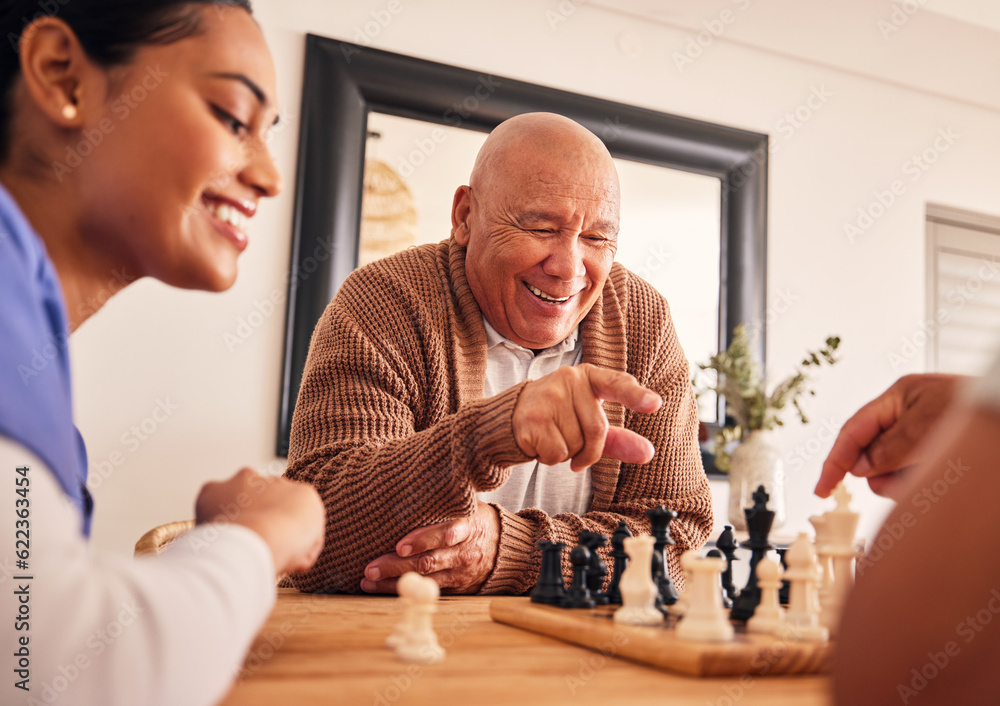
x=694, y=194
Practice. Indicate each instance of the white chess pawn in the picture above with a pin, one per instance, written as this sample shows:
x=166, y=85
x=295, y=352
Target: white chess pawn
x=419, y=643
x=637, y=586
x=802, y=617
x=769, y=616
x=705, y=618
x=404, y=587
x=679, y=608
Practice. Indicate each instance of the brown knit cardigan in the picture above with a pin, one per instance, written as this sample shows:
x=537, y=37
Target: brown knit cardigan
x=392, y=429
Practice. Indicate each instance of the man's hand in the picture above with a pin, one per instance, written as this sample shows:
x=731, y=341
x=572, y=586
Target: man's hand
x=289, y=516
x=560, y=417
x=876, y=443
x=458, y=554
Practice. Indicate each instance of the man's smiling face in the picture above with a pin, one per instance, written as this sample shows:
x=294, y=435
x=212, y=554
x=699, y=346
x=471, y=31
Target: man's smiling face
x=540, y=226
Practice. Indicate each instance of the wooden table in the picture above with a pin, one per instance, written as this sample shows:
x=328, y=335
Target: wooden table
x=317, y=649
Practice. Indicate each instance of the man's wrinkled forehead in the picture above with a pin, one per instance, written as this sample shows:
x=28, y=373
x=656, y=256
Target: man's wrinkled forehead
x=540, y=188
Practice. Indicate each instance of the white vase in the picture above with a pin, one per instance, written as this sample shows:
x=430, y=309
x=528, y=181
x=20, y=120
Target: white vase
x=756, y=462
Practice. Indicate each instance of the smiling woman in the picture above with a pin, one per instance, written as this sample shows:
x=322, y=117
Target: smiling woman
x=94, y=194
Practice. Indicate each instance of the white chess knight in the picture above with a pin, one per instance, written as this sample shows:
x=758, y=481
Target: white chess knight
x=414, y=639
x=637, y=586
x=835, y=532
x=705, y=617
x=802, y=617
x=769, y=616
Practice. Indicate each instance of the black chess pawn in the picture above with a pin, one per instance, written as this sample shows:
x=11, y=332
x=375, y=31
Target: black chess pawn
x=578, y=595
x=759, y=520
x=727, y=603
x=550, y=587
x=659, y=519
x=620, y=562
x=727, y=545
x=597, y=569
x=785, y=583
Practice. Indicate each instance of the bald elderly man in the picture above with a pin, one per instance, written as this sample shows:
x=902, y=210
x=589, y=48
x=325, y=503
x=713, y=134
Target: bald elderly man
x=465, y=400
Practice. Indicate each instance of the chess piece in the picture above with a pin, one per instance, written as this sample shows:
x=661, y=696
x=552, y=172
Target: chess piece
x=705, y=618
x=620, y=562
x=783, y=592
x=835, y=546
x=824, y=558
x=405, y=626
x=727, y=545
x=759, y=520
x=659, y=520
x=578, y=595
x=550, y=588
x=802, y=618
x=597, y=569
x=679, y=609
x=726, y=602
x=638, y=589
x=769, y=617
x=419, y=643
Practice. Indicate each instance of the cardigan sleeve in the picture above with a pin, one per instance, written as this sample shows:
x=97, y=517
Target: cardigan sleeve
x=367, y=434
x=674, y=477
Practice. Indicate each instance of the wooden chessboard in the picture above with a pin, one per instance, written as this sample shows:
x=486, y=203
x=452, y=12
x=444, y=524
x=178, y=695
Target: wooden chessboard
x=659, y=647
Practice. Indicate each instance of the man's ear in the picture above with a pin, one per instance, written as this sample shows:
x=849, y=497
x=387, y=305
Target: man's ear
x=55, y=71
x=461, y=207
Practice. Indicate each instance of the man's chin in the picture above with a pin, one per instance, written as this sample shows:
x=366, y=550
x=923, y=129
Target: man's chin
x=539, y=340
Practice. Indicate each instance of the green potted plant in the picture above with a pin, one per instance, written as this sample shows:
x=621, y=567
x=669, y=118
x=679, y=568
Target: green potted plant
x=752, y=412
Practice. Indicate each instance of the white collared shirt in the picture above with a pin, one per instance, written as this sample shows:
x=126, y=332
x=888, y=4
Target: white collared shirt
x=552, y=489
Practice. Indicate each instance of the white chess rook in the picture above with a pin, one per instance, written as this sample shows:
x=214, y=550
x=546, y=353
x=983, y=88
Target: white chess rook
x=802, y=617
x=769, y=617
x=418, y=643
x=637, y=587
x=705, y=618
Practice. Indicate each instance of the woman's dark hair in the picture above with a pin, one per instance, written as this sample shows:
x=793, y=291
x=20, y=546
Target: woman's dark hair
x=111, y=32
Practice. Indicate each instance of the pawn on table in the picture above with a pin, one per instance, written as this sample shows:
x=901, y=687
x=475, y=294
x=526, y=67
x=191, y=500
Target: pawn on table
x=578, y=595
x=405, y=588
x=705, y=618
x=769, y=617
x=727, y=603
x=417, y=641
x=639, y=591
x=802, y=618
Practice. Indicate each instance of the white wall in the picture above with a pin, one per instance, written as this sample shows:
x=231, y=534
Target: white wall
x=858, y=138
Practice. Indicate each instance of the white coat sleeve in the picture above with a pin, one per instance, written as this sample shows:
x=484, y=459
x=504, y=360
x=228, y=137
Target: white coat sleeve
x=88, y=628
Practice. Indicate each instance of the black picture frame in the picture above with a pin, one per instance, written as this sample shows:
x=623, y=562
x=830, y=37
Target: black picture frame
x=344, y=82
